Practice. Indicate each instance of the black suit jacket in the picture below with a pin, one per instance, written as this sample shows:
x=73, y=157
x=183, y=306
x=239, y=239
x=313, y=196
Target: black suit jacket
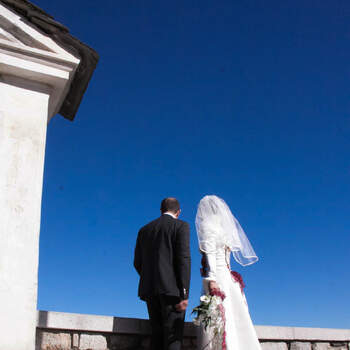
x=162, y=258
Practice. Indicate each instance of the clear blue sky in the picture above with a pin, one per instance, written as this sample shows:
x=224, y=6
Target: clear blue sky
x=248, y=100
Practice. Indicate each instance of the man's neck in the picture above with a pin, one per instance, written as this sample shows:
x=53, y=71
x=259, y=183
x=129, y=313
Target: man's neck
x=171, y=214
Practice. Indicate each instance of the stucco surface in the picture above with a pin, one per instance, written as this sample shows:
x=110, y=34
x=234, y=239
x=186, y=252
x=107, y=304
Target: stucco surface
x=23, y=120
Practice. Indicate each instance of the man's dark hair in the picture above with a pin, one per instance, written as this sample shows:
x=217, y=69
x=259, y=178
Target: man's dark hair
x=169, y=204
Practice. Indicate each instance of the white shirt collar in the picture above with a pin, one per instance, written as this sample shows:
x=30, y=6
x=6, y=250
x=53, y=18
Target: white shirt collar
x=170, y=213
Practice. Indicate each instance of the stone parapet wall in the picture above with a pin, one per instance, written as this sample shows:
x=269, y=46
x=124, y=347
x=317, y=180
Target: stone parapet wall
x=64, y=331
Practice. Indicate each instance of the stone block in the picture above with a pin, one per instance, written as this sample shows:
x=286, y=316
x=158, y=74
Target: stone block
x=92, y=342
x=321, y=346
x=274, y=346
x=75, y=343
x=53, y=340
x=126, y=342
x=298, y=345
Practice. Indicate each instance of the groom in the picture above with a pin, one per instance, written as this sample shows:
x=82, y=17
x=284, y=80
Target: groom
x=163, y=261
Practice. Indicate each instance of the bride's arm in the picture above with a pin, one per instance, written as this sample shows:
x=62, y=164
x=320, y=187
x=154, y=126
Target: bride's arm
x=208, y=271
x=208, y=266
x=208, y=248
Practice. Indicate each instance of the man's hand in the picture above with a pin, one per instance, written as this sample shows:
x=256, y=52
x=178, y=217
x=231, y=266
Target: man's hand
x=213, y=286
x=181, y=306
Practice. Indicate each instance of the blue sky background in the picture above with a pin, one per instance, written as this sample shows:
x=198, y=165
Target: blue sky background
x=248, y=100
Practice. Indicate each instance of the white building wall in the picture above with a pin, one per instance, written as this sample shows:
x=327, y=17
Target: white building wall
x=34, y=82
x=23, y=121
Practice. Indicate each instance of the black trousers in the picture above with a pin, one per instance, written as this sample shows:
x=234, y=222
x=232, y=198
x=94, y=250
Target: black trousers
x=167, y=324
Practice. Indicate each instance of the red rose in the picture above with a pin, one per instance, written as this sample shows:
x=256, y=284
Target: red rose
x=218, y=293
x=238, y=278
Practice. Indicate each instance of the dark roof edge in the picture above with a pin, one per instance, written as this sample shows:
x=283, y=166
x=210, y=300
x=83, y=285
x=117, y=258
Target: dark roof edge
x=59, y=33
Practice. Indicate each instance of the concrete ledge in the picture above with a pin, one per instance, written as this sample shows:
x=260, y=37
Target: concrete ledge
x=120, y=325
x=91, y=323
x=302, y=333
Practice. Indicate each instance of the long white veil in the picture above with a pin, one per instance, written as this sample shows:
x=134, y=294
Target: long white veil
x=216, y=226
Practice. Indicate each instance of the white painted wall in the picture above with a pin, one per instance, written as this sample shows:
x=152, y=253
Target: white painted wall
x=23, y=121
x=34, y=82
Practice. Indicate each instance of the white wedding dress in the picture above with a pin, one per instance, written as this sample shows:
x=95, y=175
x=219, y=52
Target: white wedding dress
x=240, y=332
x=219, y=234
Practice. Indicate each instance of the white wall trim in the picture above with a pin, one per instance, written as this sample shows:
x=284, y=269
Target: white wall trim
x=54, y=67
x=26, y=27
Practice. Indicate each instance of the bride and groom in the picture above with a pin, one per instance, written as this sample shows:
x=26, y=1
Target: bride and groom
x=163, y=261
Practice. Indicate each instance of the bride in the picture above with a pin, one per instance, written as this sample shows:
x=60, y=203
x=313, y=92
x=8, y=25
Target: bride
x=219, y=235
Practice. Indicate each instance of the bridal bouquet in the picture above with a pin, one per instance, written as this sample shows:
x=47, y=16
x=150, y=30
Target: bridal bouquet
x=210, y=313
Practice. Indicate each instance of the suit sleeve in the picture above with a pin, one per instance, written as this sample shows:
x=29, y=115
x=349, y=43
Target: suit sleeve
x=183, y=259
x=137, y=254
